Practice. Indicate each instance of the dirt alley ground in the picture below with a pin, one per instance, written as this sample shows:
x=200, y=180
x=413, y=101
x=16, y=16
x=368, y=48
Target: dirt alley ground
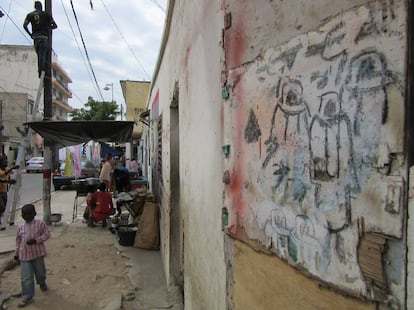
x=85, y=270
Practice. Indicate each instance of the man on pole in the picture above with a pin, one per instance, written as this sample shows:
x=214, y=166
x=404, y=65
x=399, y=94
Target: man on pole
x=41, y=23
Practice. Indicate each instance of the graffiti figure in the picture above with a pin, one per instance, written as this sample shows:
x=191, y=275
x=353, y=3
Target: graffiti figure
x=331, y=139
x=306, y=243
x=332, y=160
x=366, y=82
x=288, y=142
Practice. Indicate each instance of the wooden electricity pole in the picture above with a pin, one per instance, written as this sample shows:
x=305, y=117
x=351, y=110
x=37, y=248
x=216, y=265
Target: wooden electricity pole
x=47, y=165
x=46, y=83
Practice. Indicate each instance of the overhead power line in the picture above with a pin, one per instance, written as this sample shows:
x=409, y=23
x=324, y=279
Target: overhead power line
x=126, y=42
x=9, y=18
x=86, y=51
x=80, y=52
x=158, y=5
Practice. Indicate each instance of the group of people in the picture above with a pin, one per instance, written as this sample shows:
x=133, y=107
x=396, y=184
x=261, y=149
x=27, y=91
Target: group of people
x=99, y=204
x=32, y=234
x=116, y=178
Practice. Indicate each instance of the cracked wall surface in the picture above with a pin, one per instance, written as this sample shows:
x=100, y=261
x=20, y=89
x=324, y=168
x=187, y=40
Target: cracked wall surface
x=316, y=126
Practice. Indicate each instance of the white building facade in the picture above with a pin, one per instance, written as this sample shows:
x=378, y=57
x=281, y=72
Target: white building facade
x=19, y=85
x=278, y=147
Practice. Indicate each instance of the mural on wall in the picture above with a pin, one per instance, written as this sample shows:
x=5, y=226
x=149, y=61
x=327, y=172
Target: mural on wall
x=323, y=138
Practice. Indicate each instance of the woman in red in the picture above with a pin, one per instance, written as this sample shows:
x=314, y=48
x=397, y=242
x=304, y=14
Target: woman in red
x=104, y=206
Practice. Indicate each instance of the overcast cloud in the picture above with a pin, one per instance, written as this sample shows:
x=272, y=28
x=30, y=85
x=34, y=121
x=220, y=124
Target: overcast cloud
x=129, y=53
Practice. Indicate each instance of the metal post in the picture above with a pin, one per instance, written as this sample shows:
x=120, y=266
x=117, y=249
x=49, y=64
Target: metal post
x=112, y=97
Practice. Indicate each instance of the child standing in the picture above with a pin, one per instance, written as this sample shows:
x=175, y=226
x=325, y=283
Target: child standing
x=30, y=251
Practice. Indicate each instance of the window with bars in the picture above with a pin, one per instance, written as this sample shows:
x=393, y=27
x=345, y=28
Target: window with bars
x=30, y=106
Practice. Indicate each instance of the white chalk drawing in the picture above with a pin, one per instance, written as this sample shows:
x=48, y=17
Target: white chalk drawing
x=330, y=103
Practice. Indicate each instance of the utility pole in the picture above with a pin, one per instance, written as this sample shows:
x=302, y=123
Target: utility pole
x=45, y=82
x=1, y=127
x=47, y=101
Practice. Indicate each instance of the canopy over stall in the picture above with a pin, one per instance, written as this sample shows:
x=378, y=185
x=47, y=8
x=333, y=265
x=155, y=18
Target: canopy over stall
x=65, y=133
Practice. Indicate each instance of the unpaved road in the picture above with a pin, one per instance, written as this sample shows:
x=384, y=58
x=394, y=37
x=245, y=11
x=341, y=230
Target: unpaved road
x=84, y=271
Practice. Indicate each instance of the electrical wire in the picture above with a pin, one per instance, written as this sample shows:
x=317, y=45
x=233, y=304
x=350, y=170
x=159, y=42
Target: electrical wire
x=86, y=51
x=30, y=42
x=79, y=49
x=18, y=28
x=158, y=5
x=5, y=22
x=91, y=72
x=126, y=42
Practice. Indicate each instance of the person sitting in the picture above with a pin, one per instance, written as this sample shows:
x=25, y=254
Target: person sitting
x=104, y=207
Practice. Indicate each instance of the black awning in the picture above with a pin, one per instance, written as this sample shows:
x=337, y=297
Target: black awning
x=65, y=133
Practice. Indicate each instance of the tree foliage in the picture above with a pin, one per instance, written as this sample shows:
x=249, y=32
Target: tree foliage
x=96, y=111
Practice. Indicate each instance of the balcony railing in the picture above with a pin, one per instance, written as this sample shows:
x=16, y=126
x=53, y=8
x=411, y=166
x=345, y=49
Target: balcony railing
x=63, y=86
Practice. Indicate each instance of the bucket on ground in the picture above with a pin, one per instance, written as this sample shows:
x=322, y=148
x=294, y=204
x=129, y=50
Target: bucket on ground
x=126, y=235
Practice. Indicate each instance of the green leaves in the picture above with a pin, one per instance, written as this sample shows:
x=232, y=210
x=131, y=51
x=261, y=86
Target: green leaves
x=96, y=111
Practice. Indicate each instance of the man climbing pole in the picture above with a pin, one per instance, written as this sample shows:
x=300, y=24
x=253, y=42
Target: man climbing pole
x=41, y=23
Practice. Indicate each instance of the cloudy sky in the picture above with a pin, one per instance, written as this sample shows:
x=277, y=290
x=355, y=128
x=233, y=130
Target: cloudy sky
x=122, y=40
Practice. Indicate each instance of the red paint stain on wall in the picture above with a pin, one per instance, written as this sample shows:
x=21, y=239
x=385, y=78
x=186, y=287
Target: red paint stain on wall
x=234, y=46
x=235, y=41
x=236, y=187
x=155, y=100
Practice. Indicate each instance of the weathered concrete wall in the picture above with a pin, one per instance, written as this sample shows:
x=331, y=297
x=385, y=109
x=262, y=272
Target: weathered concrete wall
x=191, y=64
x=13, y=114
x=289, y=288
x=315, y=123
x=316, y=173
x=410, y=243
x=19, y=69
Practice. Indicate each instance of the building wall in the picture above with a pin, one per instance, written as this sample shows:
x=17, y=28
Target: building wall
x=136, y=95
x=291, y=119
x=19, y=70
x=13, y=114
x=253, y=283
x=19, y=74
x=410, y=244
x=190, y=68
x=315, y=124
